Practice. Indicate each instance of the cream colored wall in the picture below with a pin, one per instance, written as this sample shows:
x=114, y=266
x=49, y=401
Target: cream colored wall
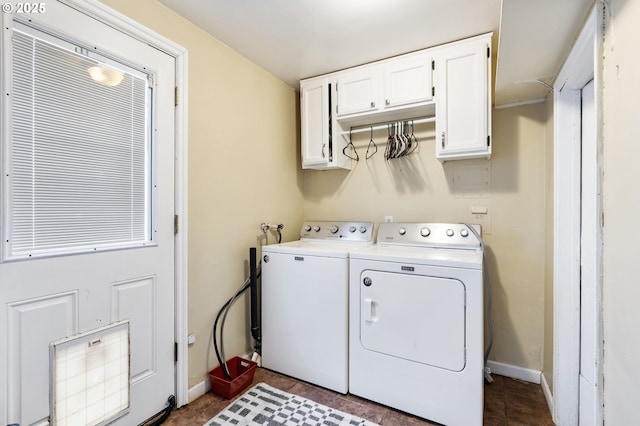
x=419, y=188
x=621, y=192
x=243, y=170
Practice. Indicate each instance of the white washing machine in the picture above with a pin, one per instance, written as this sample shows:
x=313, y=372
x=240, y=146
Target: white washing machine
x=416, y=321
x=305, y=302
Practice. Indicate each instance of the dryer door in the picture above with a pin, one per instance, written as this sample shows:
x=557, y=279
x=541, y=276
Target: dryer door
x=415, y=317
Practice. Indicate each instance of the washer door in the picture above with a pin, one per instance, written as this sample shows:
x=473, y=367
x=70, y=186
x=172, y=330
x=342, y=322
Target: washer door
x=415, y=317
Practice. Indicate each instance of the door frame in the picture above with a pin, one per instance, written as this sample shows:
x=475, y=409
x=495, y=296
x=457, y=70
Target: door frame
x=132, y=28
x=583, y=64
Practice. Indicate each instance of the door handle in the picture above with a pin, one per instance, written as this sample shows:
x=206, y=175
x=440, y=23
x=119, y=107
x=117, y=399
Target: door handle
x=369, y=310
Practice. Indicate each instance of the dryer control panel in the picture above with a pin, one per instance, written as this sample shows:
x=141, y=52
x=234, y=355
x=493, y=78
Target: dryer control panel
x=440, y=235
x=363, y=232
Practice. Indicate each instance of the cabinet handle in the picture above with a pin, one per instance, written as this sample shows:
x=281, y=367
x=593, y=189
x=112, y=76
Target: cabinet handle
x=373, y=104
x=387, y=102
x=442, y=139
x=323, y=154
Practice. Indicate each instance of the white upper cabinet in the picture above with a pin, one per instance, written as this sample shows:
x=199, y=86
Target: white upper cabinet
x=357, y=91
x=392, y=89
x=451, y=82
x=463, y=99
x=408, y=80
x=318, y=148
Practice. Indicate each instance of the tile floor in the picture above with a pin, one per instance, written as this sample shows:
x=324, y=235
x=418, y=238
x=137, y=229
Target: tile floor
x=507, y=402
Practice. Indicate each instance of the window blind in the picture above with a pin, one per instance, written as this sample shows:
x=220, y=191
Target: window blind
x=79, y=154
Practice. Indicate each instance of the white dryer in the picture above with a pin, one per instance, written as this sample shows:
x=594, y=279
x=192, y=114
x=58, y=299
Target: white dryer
x=416, y=321
x=305, y=302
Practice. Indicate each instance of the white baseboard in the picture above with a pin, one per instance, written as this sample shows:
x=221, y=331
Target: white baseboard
x=520, y=373
x=198, y=390
x=547, y=392
x=507, y=370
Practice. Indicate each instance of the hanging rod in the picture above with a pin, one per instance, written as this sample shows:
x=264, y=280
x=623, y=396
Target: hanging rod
x=377, y=126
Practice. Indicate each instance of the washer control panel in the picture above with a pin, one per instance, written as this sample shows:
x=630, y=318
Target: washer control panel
x=344, y=231
x=446, y=235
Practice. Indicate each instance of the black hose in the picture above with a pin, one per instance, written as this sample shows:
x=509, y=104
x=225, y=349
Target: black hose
x=254, y=274
x=227, y=305
x=255, y=315
x=164, y=414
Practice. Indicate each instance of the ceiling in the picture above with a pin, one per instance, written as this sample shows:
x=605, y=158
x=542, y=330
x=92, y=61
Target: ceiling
x=304, y=38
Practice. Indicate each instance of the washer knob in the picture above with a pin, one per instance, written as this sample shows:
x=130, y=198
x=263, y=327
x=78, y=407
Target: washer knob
x=352, y=229
x=425, y=232
x=363, y=229
x=333, y=229
x=449, y=232
x=402, y=231
x=316, y=228
x=307, y=228
x=464, y=233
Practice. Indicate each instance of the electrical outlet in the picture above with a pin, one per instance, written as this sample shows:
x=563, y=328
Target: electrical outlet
x=191, y=339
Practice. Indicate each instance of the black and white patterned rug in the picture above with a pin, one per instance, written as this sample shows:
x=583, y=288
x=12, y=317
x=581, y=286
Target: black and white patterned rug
x=265, y=405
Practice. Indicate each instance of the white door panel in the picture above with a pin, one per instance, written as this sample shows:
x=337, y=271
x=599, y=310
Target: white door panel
x=589, y=264
x=414, y=317
x=49, y=298
x=305, y=318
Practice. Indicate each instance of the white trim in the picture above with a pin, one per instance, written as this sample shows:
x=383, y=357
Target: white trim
x=546, y=390
x=198, y=390
x=132, y=28
x=520, y=103
x=582, y=64
x=515, y=372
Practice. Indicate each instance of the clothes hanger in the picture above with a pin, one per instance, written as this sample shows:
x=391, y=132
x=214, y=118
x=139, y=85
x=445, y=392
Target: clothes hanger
x=371, y=143
x=350, y=145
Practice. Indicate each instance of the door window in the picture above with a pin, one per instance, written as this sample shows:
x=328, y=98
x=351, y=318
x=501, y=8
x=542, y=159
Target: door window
x=79, y=151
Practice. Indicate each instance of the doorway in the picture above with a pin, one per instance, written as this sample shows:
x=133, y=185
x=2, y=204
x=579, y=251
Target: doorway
x=53, y=295
x=577, y=368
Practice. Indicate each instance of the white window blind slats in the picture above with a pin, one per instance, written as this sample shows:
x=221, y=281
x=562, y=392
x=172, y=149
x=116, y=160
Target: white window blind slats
x=79, y=154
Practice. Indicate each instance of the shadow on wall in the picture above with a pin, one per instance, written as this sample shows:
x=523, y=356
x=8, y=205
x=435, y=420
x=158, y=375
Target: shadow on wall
x=374, y=175
x=503, y=329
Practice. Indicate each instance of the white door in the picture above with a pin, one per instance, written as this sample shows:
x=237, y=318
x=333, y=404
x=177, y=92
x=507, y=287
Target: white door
x=590, y=268
x=408, y=81
x=419, y=318
x=357, y=91
x=305, y=317
x=45, y=298
x=463, y=101
x=314, y=116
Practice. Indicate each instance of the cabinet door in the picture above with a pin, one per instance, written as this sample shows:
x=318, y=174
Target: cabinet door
x=463, y=101
x=358, y=91
x=408, y=81
x=315, y=121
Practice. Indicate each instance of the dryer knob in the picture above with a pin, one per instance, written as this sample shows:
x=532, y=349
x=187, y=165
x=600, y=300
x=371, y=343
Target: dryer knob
x=363, y=229
x=316, y=228
x=464, y=233
x=367, y=281
x=352, y=229
x=425, y=232
x=402, y=231
x=333, y=229
x=449, y=232
x=307, y=228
